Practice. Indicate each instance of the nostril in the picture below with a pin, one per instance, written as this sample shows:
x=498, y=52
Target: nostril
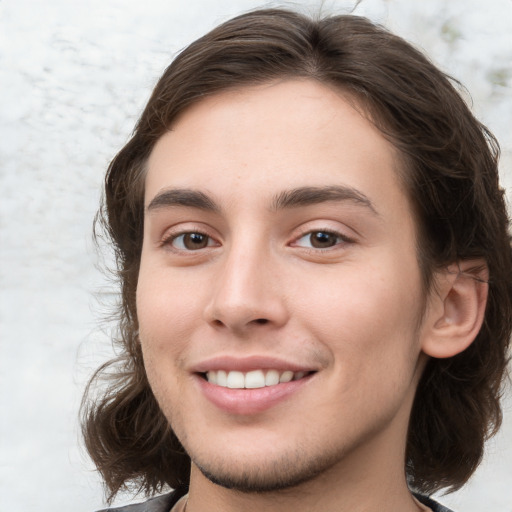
x=261, y=321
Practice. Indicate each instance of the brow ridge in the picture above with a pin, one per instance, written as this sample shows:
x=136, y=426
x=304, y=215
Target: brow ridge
x=294, y=198
x=182, y=197
x=305, y=196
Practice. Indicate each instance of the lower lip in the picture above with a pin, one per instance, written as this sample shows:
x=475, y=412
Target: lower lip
x=249, y=401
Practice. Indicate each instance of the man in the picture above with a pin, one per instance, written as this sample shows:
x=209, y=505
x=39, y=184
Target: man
x=316, y=277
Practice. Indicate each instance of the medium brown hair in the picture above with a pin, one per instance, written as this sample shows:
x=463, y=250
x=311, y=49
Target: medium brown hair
x=450, y=174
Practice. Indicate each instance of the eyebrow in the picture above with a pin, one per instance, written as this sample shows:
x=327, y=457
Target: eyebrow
x=305, y=196
x=182, y=197
x=294, y=198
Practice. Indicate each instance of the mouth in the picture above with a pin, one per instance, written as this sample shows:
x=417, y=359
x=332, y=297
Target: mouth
x=253, y=379
x=251, y=385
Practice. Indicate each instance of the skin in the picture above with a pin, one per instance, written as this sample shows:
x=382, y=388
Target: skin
x=351, y=311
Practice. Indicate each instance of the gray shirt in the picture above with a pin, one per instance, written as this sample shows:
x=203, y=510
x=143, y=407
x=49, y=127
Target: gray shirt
x=167, y=501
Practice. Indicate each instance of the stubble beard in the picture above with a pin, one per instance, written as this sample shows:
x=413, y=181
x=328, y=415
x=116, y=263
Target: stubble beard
x=288, y=471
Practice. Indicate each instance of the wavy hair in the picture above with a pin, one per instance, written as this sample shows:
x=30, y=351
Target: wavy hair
x=450, y=172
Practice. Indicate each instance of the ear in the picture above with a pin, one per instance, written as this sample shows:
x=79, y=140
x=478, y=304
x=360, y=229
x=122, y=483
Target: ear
x=456, y=308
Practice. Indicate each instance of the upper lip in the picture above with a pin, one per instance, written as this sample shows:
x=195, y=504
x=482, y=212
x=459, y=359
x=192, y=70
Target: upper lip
x=247, y=364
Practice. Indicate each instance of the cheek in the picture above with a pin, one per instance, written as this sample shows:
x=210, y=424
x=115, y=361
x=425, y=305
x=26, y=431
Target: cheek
x=160, y=325
x=164, y=310
x=367, y=314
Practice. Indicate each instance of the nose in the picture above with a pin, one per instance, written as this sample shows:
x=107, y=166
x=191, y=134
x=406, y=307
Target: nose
x=247, y=294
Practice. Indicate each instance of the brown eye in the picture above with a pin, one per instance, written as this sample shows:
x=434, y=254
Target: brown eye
x=320, y=240
x=192, y=241
x=323, y=239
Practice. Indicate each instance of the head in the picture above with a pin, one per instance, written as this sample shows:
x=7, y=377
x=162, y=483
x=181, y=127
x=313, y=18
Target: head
x=445, y=164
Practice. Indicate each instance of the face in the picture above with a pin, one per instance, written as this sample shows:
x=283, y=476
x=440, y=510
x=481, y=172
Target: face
x=279, y=297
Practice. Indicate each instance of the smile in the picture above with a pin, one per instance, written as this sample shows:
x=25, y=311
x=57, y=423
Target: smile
x=253, y=379
x=252, y=391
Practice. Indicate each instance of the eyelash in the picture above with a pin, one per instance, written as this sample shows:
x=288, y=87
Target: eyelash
x=172, y=237
x=341, y=239
x=169, y=239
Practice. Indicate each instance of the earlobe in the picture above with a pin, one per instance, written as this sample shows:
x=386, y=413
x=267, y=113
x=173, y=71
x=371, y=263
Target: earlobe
x=457, y=309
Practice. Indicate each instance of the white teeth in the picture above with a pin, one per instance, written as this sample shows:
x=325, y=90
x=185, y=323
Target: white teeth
x=236, y=380
x=286, y=376
x=253, y=379
x=222, y=378
x=212, y=377
x=272, y=378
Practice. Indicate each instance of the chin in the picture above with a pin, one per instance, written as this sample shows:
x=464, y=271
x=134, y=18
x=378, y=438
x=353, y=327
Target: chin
x=286, y=472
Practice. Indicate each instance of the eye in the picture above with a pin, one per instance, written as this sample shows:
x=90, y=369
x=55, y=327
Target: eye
x=320, y=240
x=190, y=241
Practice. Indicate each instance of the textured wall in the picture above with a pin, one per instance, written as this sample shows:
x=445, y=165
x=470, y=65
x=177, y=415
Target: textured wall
x=74, y=75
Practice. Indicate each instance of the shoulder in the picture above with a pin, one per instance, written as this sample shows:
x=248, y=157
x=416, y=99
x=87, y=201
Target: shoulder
x=429, y=502
x=158, y=504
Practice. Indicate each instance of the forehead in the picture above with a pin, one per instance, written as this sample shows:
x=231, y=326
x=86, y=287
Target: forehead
x=261, y=140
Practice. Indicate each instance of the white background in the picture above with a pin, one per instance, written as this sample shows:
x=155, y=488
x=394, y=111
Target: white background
x=74, y=76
